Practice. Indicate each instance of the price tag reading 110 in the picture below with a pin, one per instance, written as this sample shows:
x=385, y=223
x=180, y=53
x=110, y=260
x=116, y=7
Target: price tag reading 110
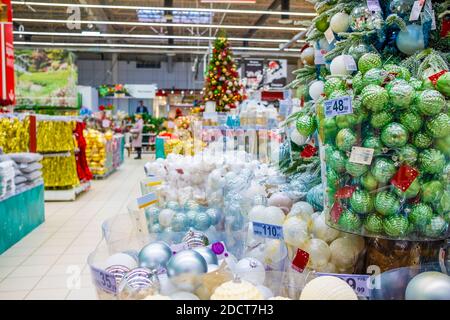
x=267, y=230
x=339, y=106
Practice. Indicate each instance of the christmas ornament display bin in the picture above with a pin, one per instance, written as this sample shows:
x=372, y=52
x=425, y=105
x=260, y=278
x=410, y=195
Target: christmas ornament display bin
x=384, y=174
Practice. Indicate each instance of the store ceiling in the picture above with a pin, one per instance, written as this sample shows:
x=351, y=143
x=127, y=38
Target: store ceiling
x=135, y=27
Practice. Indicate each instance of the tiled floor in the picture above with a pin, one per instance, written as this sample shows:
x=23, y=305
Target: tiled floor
x=50, y=263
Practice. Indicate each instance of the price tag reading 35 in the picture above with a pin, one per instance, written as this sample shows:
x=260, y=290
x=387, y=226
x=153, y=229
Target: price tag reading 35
x=104, y=280
x=267, y=230
x=339, y=106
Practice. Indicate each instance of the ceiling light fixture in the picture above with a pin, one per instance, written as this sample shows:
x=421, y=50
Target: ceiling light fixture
x=100, y=6
x=142, y=36
x=158, y=24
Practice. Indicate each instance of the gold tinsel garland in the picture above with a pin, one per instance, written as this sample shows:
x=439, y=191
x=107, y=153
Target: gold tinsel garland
x=14, y=135
x=60, y=171
x=55, y=136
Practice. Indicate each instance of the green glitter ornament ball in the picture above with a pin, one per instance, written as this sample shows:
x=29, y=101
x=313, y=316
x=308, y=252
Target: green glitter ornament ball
x=345, y=139
x=374, y=98
x=430, y=102
x=420, y=215
x=361, y=202
x=332, y=178
x=401, y=95
x=306, y=125
x=408, y=154
x=330, y=129
x=394, y=135
x=356, y=169
x=346, y=121
x=411, y=121
x=443, y=145
x=400, y=72
x=374, y=76
x=386, y=203
x=349, y=221
x=438, y=126
x=422, y=140
x=432, y=191
x=332, y=85
x=416, y=84
x=369, y=182
x=436, y=228
x=383, y=170
x=336, y=160
x=373, y=223
x=369, y=61
x=431, y=161
x=396, y=226
x=380, y=119
x=373, y=142
x=357, y=83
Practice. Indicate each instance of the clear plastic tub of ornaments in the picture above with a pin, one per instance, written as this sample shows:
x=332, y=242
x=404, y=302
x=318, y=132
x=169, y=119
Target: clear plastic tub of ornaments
x=425, y=282
x=179, y=271
x=385, y=155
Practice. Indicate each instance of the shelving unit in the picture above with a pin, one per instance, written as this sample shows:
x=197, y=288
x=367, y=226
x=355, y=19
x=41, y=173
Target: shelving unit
x=67, y=194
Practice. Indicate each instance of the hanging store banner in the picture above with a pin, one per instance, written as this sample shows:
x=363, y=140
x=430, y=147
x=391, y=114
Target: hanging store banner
x=46, y=77
x=7, y=94
x=276, y=73
x=253, y=73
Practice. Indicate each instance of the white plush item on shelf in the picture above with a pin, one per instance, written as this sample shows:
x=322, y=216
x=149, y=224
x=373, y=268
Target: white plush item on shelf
x=328, y=288
x=237, y=290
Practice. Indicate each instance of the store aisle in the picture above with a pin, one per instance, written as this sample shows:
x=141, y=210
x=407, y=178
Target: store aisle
x=50, y=263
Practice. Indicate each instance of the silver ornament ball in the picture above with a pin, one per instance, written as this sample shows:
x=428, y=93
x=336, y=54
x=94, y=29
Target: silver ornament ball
x=155, y=255
x=207, y=254
x=186, y=262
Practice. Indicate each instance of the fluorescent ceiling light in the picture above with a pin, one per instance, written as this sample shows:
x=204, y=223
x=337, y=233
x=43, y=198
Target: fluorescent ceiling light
x=260, y=12
x=138, y=46
x=157, y=24
x=142, y=36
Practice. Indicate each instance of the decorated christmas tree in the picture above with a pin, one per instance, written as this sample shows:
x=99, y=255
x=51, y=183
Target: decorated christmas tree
x=222, y=79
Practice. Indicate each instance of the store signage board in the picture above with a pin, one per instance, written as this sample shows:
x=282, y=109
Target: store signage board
x=339, y=106
x=358, y=282
x=104, y=280
x=142, y=91
x=153, y=182
x=7, y=80
x=267, y=230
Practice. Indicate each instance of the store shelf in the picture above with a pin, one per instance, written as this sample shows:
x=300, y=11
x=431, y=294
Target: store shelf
x=104, y=176
x=68, y=194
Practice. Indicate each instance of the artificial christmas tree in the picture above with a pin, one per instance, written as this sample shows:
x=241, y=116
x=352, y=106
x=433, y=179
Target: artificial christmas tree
x=222, y=79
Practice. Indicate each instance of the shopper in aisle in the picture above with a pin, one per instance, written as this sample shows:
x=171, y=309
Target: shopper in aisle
x=141, y=108
x=136, y=132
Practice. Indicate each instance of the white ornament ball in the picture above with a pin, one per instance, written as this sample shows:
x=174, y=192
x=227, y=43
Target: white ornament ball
x=316, y=89
x=165, y=217
x=273, y=215
x=301, y=208
x=121, y=259
x=183, y=295
x=295, y=231
x=251, y=270
x=319, y=253
x=237, y=290
x=266, y=292
x=280, y=200
x=257, y=213
x=328, y=288
x=344, y=253
x=340, y=22
x=329, y=268
x=297, y=138
x=337, y=66
x=322, y=231
x=166, y=285
x=358, y=241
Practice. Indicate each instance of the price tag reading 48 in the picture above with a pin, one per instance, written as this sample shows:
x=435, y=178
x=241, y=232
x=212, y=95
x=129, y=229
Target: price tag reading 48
x=267, y=230
x=339, y=106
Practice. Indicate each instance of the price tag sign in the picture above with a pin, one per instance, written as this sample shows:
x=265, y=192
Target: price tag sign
x=106, y=123
x=104, y=280
x=339, y=106
x=373, y=5
x=358, y=282
x=147, y=200
x=267, y=230
x=319, y=56
x=416, y=9
x=350, y=63
x=329, y=35
x=361, y=155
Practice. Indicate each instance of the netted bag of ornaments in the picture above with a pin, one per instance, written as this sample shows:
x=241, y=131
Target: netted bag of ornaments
x=385, y=149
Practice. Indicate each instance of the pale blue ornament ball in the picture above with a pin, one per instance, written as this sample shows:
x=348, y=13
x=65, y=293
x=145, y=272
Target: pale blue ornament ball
x=191, y=215
x=202, y=221
x=155, y=255
x=155, y=228
x=186, y=262
x=215, y=215
x=152, y=214
x=430, y=285
x=207, y=254
x=173, y=205
x=180, y=222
